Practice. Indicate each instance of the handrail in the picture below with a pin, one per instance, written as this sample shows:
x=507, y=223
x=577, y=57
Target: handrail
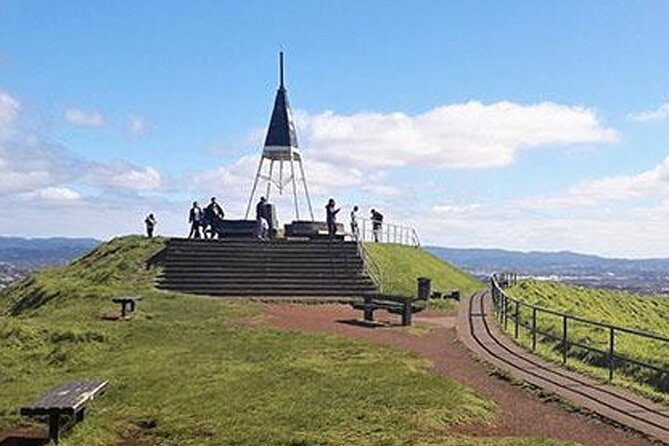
x=388, y=233
x=501, y=301
x=371, y=267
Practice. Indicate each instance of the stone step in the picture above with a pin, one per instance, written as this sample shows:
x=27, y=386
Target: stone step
x=261, y=264
x=277, y=293
x=285, y=275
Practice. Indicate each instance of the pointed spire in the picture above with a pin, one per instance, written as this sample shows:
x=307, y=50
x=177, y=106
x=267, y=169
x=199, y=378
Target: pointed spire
x=281, y=133
x=281, y=70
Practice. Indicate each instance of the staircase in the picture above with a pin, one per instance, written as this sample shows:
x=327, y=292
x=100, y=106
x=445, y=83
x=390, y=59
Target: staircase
x=282, y=268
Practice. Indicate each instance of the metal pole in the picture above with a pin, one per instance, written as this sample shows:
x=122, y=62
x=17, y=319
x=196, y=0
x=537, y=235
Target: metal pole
x=269, y=179
x=292, y=179
x=515, y=333
x=253, y=190
x=506, y=316
x=306, y=190
x=534, y=328
x=281, y=176
x=564, y=339
x=611, y=352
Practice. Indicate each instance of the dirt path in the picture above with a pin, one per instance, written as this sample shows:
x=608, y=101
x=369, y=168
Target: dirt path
x=519, y=412
x=479, y=332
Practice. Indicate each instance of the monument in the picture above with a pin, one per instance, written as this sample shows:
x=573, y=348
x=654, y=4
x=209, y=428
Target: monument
x=281, y=152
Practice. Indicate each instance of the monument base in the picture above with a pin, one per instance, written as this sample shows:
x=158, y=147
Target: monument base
x=312, y=230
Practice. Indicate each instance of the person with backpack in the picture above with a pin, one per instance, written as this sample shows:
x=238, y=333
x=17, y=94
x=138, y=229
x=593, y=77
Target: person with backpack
x=213, y=214
x=377, y=224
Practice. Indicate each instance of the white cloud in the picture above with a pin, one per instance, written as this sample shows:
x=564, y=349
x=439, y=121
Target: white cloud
x=660, y=113
x=60, y=195
x=469, y=135
x=651, y=183
x=9, y=108
x=124, y=175
x=455, y=209
x=27, y=162
x=137, y=125
x=83, y=118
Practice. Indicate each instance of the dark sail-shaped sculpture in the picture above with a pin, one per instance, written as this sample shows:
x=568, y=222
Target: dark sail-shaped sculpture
x=281, y=147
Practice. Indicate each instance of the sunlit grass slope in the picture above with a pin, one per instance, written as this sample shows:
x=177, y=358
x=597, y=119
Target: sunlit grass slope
x=647, y=313
x=186, y=370
x=402, y=265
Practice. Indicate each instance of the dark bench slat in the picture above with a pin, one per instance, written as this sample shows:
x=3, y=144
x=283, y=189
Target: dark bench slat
x=126, y=299
x=67, y=398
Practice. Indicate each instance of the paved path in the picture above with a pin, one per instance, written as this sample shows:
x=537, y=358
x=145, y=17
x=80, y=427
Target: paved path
x=477, y=329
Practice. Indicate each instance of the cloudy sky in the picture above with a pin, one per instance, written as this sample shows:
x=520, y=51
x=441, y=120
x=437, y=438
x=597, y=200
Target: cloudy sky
x=510, y=124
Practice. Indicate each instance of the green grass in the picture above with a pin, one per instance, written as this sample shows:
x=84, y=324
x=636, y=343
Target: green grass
x=647, y=313
x=402, y=265
x=185, y=371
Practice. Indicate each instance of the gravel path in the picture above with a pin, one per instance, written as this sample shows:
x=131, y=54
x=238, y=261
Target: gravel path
x=520, y=413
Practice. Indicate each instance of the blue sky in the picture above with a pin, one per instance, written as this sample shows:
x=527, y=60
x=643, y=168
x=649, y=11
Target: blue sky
x=522, y=125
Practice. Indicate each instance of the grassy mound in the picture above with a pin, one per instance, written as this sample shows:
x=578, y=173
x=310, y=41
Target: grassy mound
x=402, y=265
x=647, y=313
x=186, y=370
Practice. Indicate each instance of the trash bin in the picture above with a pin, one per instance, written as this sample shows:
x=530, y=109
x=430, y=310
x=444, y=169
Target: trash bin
x=424, y=288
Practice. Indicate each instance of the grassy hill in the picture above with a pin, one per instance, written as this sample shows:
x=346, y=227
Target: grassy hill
x=647, y=313
x=187, y=370
x=402, y=265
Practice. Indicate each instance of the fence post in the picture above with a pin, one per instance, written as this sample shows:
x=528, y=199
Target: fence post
x=534, y=328
x=611, y=352
x=506, y=316
x=515, y=332
x=564, y=339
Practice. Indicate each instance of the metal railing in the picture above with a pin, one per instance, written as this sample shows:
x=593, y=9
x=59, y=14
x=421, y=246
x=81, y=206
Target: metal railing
x=371, y=267
x=509, y=309
x=387, y=233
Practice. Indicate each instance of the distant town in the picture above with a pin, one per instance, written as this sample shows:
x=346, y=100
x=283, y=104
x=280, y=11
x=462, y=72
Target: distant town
x=635, y=275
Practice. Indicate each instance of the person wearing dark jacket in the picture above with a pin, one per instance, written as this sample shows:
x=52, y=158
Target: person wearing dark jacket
x=213, y=214
x=150, y=222
x=262, y=219
x=377, y=224
x=331, y=217
x=195, y=219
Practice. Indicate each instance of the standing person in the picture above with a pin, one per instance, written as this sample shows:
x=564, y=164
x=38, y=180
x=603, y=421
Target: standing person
x=354, y=223
x=261, y=218
x=195, y=219
x=331, y=217
x=213, y=214
x=150, y=222
x=377, y=224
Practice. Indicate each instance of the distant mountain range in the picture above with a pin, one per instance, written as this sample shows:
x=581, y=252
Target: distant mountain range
x=632, y=274
x=34, y=253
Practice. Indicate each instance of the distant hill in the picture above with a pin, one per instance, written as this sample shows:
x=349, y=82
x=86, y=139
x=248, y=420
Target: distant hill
x=31, y=253
x=632, y=274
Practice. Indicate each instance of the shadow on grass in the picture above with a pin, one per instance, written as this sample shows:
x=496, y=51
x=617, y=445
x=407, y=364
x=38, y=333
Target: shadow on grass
x=22, y=438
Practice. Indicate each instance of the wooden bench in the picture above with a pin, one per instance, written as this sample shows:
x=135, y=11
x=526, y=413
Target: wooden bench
x=64, y=405
x=402, y=305
x=128, y=303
